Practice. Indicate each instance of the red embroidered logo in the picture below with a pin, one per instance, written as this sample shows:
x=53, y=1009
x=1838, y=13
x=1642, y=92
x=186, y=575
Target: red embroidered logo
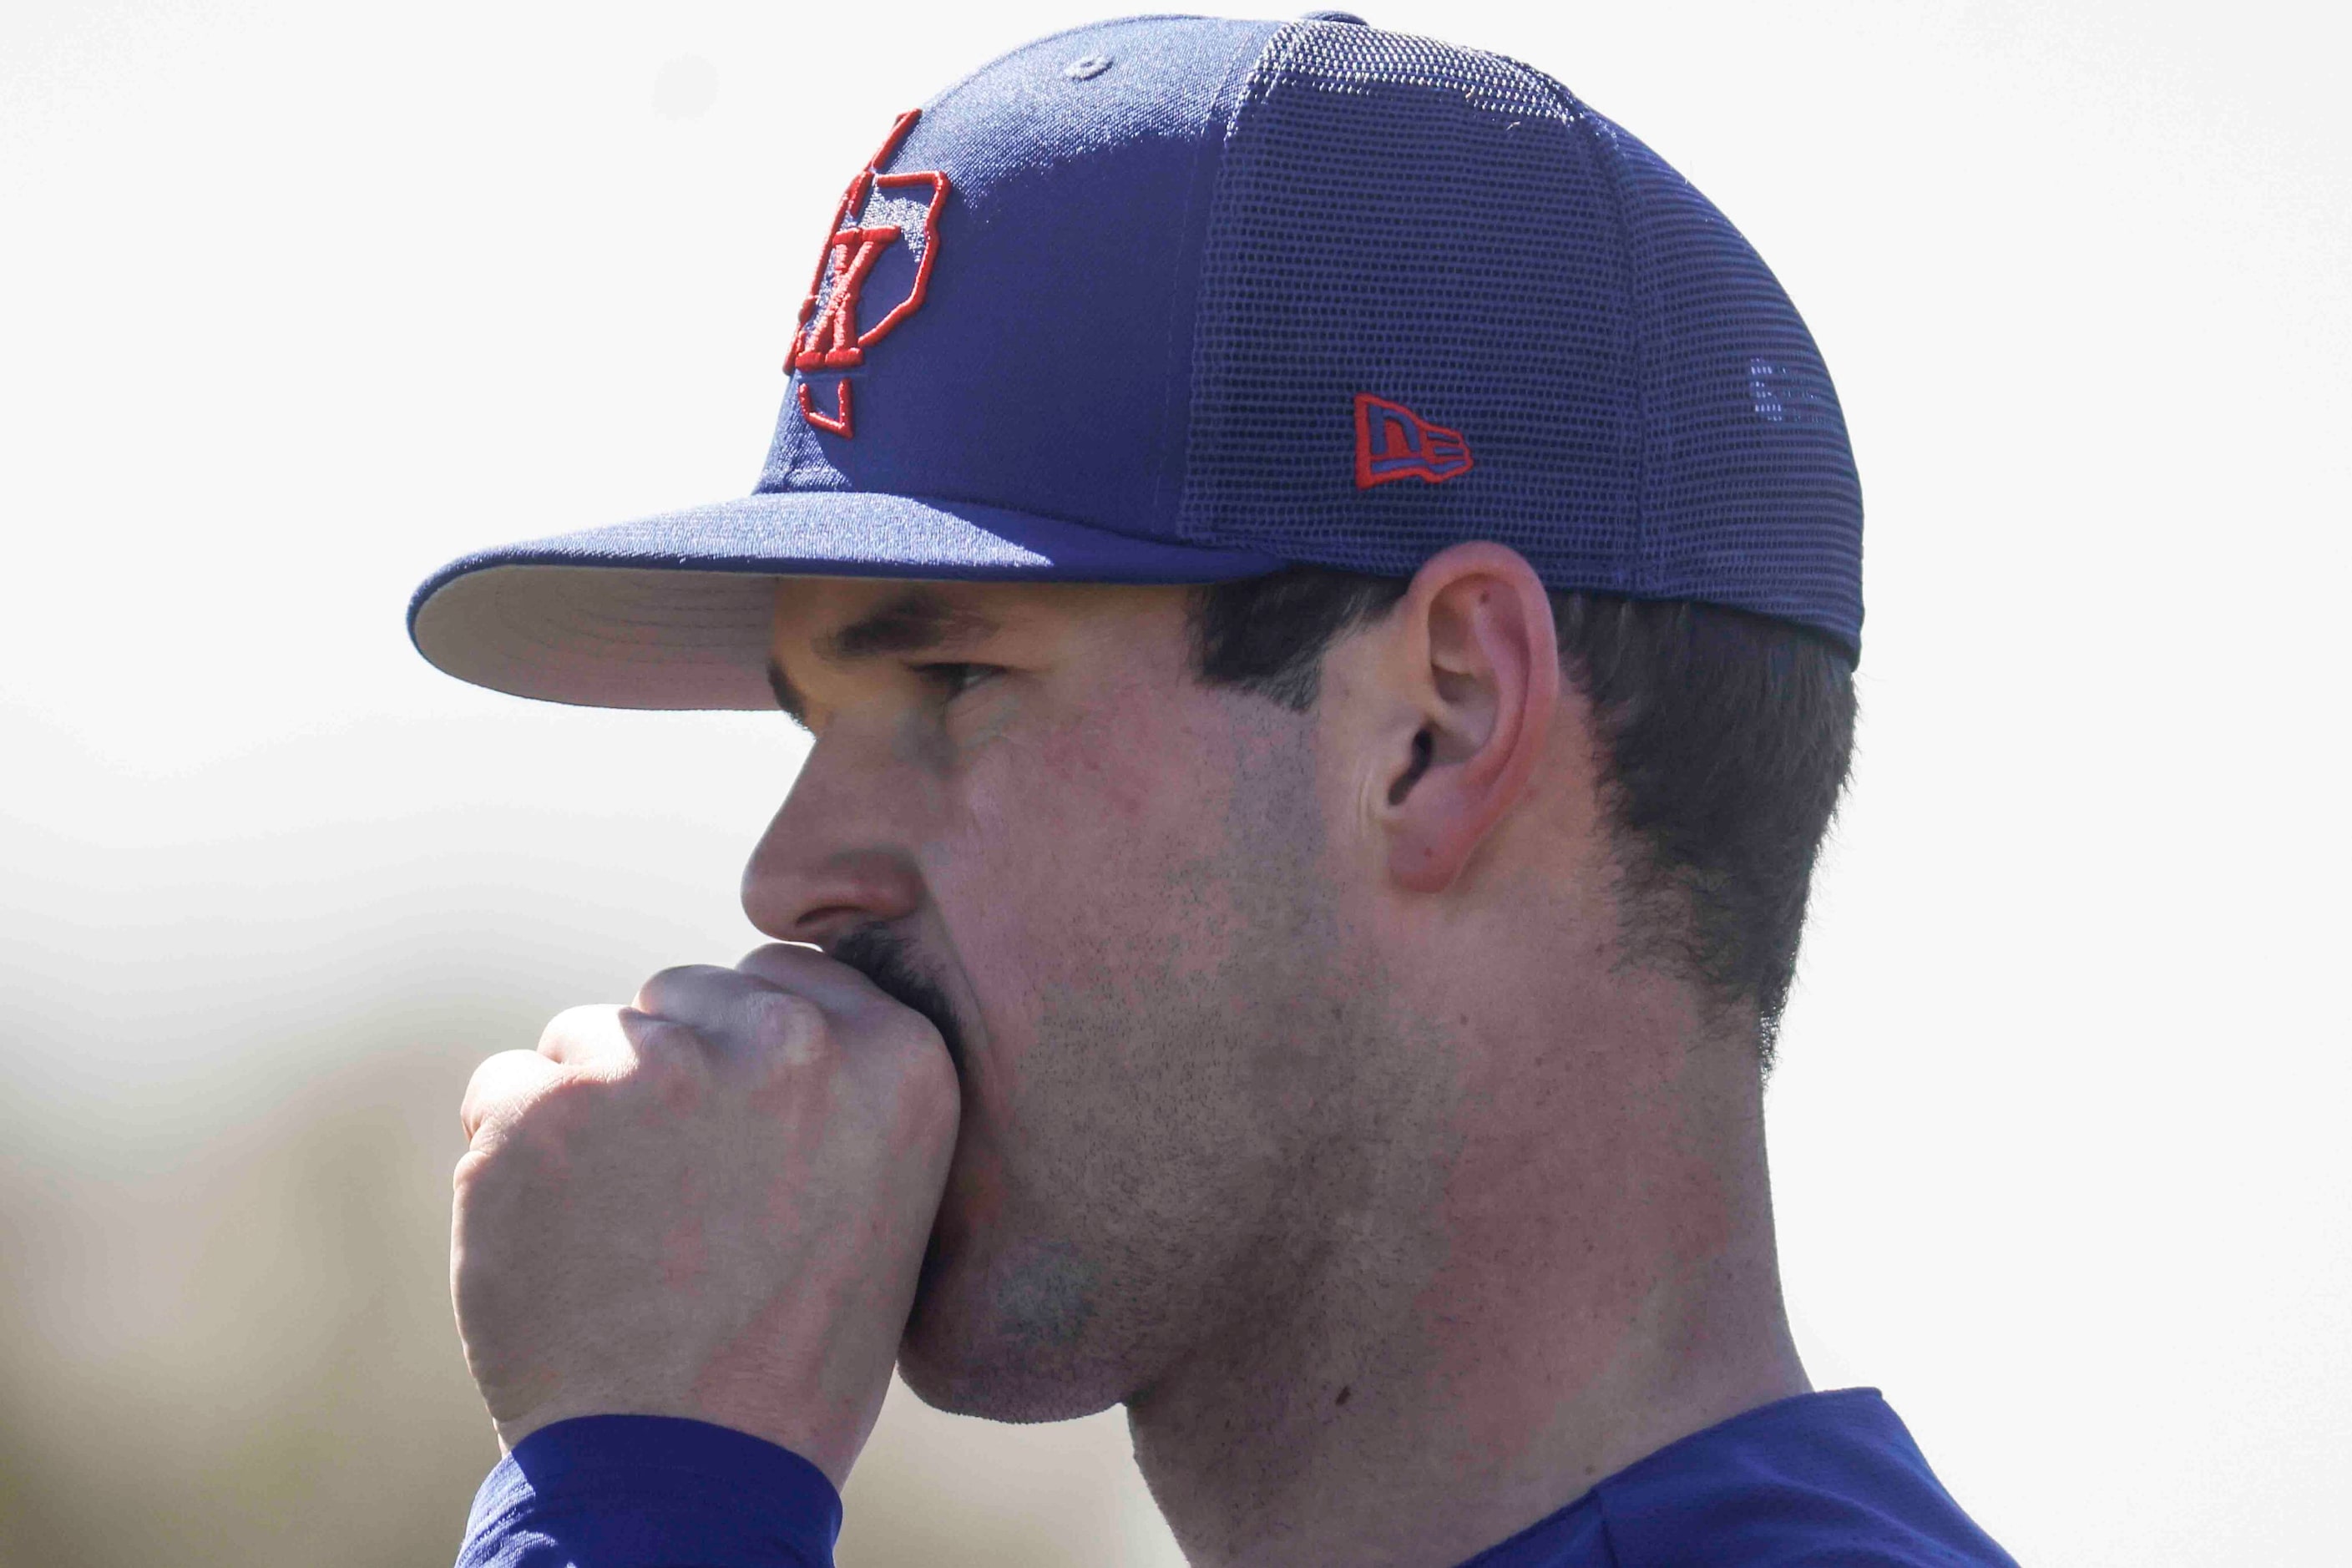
x=1392, y=442
x=829, y=336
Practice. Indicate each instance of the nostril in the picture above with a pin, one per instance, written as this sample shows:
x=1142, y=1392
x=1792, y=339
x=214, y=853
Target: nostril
x=814, y=900
x=826, y=927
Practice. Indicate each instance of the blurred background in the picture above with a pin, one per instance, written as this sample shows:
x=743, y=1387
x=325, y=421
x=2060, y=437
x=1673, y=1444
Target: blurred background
x=298, y=301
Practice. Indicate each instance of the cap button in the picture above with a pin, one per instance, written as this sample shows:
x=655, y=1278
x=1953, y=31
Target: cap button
x=1334, y=16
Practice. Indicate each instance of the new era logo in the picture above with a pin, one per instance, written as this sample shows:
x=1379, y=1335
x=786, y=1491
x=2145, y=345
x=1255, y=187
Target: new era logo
x=1392, y=442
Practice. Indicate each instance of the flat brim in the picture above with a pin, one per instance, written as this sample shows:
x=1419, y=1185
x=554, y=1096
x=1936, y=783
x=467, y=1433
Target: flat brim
x=676, y=611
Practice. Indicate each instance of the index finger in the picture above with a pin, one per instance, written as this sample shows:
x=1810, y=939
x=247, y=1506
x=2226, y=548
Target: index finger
x=827, y=981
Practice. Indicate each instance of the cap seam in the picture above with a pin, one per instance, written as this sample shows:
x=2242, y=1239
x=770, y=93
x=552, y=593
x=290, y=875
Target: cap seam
x=1177, y=411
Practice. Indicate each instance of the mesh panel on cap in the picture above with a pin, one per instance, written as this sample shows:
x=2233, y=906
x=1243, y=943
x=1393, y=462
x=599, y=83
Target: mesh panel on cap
x=1454, y=232
x=1749, y=495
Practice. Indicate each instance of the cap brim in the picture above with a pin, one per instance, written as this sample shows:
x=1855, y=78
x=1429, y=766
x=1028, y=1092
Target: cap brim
x=676, y=611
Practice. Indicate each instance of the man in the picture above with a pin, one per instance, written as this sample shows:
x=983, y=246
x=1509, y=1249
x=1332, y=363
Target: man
x=1325, y=580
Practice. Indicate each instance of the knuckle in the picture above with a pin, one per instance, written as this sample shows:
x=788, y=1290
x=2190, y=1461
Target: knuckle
x=669, y=982
x=787, y=1025
x=572, y=1027
x=663, y=1044
x=539, y=1112
x=469, y=1173
x=672, y=1062
x=512, y=1133
x=544, y=1124
x=500, y=1086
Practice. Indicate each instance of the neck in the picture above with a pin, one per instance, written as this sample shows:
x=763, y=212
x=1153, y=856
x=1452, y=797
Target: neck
x=1463, y=1344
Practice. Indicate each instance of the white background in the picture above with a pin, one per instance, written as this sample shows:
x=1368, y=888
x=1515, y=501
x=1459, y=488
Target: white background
x=299, y=300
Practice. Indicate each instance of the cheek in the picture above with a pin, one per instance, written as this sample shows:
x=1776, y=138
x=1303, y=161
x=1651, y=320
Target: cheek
x=1074, y=842
x=1123, y=904
x=1084, y=865
x=1103, y=775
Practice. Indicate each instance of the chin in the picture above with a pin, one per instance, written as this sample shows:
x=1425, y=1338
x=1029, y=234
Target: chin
x=1009, y=1341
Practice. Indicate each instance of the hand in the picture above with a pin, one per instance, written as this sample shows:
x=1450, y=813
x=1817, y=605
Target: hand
x=713, y=1205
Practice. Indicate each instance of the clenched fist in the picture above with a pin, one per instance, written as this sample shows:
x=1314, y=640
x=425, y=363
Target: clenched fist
x=713, y=1203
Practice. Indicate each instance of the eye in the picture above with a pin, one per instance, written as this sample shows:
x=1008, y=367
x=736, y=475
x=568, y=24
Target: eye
x=953, y=681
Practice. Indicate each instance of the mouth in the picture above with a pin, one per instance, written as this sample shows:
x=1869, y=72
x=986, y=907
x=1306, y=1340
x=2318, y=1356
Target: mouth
x=887, y=959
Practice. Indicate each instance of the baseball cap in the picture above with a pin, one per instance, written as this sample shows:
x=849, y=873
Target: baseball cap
x=1184, y=300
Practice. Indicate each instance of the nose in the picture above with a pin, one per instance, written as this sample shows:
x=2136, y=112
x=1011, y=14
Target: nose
x=831, y=861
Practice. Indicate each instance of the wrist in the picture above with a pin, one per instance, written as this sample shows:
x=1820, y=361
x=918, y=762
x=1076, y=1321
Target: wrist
x=829, y=1447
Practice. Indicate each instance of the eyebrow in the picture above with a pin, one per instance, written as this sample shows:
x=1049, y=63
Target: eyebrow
x=918, y=621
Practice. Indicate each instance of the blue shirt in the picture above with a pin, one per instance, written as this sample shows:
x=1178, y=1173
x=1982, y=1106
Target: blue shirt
x=1819, y=1479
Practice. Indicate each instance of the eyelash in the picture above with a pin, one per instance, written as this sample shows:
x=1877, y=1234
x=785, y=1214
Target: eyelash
x=954, y=680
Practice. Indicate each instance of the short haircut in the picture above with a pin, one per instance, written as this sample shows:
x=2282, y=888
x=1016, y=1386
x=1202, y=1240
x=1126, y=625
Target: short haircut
x=1725, y=736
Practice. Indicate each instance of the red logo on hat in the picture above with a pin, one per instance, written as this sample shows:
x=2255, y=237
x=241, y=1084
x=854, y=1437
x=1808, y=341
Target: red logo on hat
x=1392, y=442
x=829, y=336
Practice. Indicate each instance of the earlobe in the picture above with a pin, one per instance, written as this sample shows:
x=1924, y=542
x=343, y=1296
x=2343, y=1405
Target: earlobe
x=1481, y=665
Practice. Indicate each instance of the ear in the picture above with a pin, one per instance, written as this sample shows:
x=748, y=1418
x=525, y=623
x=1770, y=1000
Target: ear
x=1477, y=676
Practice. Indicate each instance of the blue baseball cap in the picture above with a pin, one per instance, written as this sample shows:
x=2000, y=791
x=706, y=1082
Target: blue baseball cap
x=1184, y=300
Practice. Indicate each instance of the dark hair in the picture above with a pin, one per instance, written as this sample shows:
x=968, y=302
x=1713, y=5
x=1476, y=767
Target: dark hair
x=1726, y=738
